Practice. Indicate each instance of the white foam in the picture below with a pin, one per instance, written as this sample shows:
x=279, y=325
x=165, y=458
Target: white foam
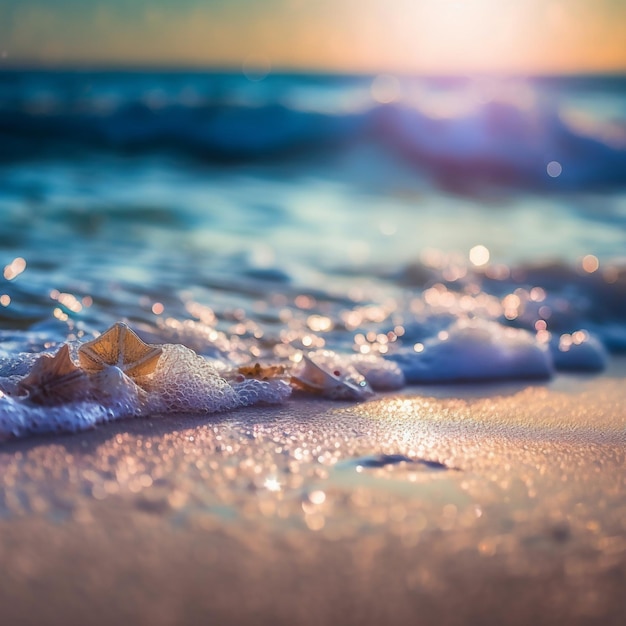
x=476, y=350
x=183, y=382
x=251, y=391
x=186, y=382
x=116, y=397
x=381, y=374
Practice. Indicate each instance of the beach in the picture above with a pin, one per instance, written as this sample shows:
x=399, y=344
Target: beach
x=301, y=351
x=312, y=313
x=507, y=505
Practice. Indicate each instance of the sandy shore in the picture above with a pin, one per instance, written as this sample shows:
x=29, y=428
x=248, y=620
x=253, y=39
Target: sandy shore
x=274, y=515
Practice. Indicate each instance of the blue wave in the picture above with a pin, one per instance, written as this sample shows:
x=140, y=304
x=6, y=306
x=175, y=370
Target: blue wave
x=499, y=140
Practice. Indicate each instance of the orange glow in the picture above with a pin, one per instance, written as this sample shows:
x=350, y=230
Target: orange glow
x=590, y=263
x=380, y=36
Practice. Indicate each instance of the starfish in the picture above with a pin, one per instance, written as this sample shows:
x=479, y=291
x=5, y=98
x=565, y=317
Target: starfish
x=54, y=379
x=261, y=372
x=121, y=347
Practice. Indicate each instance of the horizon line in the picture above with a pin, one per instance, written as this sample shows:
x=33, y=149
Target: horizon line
x=25, y=65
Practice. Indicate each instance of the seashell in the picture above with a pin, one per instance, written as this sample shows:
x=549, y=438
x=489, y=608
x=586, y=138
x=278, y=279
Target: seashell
x=111, y=384
x=54, y=380
x=324, y=373
x=121, y=347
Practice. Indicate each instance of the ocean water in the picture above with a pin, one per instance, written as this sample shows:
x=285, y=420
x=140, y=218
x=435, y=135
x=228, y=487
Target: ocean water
x=362, y=233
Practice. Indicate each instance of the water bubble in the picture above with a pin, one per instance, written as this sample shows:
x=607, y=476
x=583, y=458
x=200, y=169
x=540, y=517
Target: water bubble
x=554, y=169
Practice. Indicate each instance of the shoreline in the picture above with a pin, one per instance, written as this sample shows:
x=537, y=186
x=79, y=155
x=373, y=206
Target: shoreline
x=272, y=515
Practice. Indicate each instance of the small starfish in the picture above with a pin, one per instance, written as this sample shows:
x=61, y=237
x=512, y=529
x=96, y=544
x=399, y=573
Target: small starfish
x=261, y=372
x=54, y=379
x=121, y=347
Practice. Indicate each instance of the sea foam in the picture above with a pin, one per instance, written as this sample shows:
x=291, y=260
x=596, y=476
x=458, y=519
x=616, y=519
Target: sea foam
x=183, y=382
x=475, y=350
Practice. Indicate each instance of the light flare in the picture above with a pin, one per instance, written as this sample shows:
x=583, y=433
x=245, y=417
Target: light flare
x=14, y=268
x=271, y=484
x=479, y=255
x=590, y=263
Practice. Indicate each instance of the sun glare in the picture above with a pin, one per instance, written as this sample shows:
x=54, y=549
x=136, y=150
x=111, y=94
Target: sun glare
x=377, y=36
x=469, y=35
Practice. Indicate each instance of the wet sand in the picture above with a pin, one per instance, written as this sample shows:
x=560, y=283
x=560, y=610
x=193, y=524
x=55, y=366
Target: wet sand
x=290, y=515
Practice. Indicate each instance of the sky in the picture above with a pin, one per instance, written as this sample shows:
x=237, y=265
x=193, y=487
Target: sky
x=417, y=36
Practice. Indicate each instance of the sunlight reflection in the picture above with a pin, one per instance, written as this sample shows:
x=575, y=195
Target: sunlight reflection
x=554, y=169
x=15, y=268
x=590, y=263
x=479, y=255
x=271, y=484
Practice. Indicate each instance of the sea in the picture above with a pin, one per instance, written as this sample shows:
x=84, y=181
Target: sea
x=351, y=233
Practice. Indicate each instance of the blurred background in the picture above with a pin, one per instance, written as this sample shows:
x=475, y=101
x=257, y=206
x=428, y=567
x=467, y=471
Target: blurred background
x=157, y=154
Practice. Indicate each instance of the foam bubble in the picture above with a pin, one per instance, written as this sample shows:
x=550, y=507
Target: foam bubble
x=185, y=382
x=251, y=391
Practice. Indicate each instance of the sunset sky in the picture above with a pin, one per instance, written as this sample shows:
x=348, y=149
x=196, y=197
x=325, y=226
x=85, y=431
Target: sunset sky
x=422, y=36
